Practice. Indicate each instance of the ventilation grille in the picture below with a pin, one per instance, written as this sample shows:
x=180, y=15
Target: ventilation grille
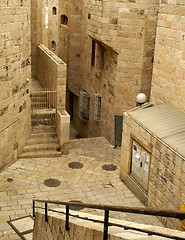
x=97, y=107
x=84, y=107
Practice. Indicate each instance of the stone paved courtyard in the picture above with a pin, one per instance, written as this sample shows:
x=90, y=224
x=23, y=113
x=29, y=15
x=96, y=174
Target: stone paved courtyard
x=24, y=180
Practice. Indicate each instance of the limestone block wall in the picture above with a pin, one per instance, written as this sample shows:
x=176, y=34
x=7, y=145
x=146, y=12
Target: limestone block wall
x=62, y=126
x=39, y=30
x=53, y=25
x=167, y=169
x=52, y=74
x=64, y=30
x=75, y=44
x=15, y=124
x=169, y=64
x=83, y=229
x=125, y=32
x=120, y=65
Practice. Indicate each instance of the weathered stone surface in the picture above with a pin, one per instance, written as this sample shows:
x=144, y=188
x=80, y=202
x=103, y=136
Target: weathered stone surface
x=83, y=229
x=119, y=67
x=14, y=78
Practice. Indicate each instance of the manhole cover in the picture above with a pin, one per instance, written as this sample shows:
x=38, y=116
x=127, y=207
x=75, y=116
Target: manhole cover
x=109, y=167
x=75, y=165
x=76, y=208
x=10, y=179
x=52, y=182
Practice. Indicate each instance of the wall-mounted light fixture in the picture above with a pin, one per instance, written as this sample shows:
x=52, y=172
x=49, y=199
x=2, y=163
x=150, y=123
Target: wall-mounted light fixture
x=141, y=98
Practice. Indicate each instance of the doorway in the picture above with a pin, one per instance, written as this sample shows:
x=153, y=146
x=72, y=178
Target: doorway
x=118, y=130
x=140, y=162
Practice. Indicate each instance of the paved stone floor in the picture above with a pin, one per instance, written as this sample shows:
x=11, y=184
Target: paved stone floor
x=24, y=180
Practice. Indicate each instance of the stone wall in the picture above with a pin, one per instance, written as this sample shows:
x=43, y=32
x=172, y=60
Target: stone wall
x=167, y=169
x=81, y=229
x=15, y=124
x=120, y=66
x=124, y=35
x=168, y=83
x=62, y=126
x=52, y=74
x=63, y=30
x=39, y=31
x=53, y=25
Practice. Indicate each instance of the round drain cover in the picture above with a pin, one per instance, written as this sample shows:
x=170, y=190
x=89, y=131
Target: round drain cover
x=75, y=165
x=109, y=167
x=76, y=208
x=10, y=179
x=52, y=182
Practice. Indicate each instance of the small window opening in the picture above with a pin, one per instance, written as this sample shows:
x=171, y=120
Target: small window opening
x=53, y=45
x=64, y=19
x=93, y=53
x=54, y=11
x=89, y=16
x=21, y=2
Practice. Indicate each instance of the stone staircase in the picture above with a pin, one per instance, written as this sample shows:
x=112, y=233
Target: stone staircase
x=43, y=109
x=43, y=142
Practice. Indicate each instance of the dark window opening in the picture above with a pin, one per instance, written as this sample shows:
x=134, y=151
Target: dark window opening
x=64, y=19
x=101, y=53
x=53, y=45
x=54, y=11
x=93, y=53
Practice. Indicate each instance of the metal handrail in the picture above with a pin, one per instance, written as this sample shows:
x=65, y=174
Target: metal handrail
x=137, y=210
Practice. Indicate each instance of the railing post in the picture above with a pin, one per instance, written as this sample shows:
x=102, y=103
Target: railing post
x=67, y=218
x=46, y=212
x=106, y=224
x=33, y=208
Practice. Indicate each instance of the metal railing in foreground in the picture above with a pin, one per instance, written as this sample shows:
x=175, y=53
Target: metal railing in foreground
x=107, y=208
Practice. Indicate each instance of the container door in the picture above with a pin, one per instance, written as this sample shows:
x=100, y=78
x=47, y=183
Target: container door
x=140, y=162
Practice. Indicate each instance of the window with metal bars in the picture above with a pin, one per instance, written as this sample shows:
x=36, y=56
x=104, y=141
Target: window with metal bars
x=97, y=107
x=84, y=105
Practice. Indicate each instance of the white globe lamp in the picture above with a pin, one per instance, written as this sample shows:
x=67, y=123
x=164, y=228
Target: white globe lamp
x=141, y=98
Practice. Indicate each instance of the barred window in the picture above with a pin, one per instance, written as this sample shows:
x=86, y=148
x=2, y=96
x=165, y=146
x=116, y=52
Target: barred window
x=97, y=107
x=84, y=105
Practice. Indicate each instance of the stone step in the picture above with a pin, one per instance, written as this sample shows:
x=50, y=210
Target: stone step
x=43, y=135
x=41, y=147
x=41, y=106
x=42, y=143
x=47, y=112
x=43, y=138
x=37, y=99
x=39, y=154
x=39, y=95
x=43, y=129
x=43, y=121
